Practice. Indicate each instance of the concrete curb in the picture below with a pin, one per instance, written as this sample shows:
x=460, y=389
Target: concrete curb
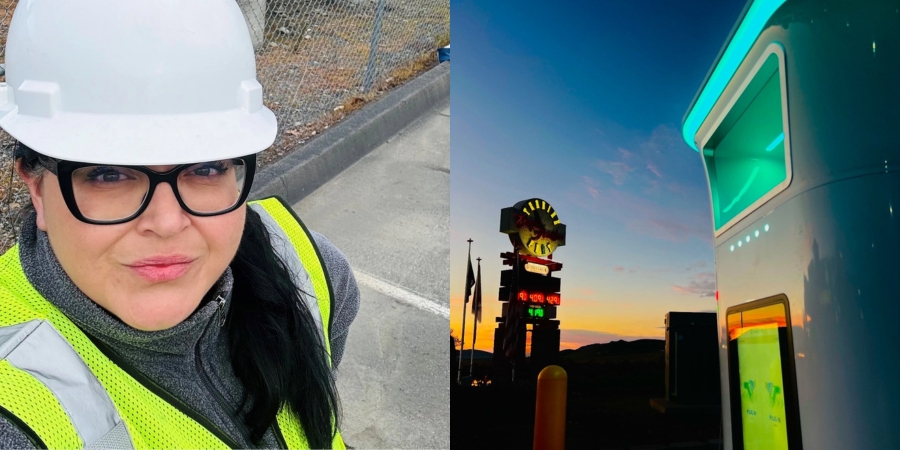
x=302, y=171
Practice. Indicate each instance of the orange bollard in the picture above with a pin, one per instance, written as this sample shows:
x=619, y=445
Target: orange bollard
x=550, y=410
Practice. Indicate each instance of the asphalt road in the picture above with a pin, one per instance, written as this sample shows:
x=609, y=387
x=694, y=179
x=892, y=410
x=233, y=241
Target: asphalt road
x=390, y=214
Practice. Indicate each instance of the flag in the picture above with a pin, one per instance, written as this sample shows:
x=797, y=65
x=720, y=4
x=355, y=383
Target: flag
x=470, y=280
x=476, y=301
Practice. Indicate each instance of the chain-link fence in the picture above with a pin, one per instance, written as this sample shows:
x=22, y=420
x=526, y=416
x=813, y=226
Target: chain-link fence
x=316, y=59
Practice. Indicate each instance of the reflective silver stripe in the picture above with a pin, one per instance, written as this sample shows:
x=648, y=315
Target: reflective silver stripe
x=281, y=243
x=36, y=348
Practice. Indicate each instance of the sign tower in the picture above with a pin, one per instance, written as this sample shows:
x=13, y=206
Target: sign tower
x=530, y=292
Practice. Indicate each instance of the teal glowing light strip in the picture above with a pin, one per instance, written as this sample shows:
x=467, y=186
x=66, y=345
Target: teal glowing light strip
x=744, y=38
x=775, y=143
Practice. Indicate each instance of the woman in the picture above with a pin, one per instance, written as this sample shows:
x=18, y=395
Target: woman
x=146, y=305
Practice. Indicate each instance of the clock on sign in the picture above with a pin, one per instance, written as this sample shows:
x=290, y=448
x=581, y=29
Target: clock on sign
x=533, y=227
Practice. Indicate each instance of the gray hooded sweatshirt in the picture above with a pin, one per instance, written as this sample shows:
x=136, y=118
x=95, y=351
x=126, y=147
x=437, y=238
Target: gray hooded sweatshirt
x=190, y=360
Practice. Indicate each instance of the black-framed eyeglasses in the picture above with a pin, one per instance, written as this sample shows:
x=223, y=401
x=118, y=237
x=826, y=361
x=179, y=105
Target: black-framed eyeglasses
x=110, y=194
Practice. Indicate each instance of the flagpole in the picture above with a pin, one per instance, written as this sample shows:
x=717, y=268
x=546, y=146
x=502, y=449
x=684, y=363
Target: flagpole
x=462, y=338
x=475, y=322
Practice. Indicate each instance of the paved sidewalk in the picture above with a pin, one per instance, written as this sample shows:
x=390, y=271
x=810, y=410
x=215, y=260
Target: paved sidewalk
x=389, y=213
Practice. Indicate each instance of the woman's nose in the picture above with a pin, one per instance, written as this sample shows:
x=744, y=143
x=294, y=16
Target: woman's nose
x=164, y=215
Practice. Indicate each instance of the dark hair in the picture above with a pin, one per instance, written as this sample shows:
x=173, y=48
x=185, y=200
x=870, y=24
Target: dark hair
x=275, y=346
x=276, y=349
x=29, y=158
x=31, y=167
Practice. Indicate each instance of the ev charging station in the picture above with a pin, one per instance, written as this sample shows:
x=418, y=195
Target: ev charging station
x=798, y=127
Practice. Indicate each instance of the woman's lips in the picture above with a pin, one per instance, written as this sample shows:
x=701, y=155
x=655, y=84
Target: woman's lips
x=161, y=268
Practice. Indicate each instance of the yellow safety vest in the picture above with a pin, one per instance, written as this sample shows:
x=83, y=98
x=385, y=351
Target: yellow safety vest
x=63, y=398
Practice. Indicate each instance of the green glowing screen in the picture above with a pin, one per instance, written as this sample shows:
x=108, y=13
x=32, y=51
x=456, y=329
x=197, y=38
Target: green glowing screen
x=758, y=348
x=745, y=156
x=762, y=390
x=535, y=311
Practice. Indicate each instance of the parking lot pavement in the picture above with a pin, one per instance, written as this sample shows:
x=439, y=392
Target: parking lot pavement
x=389, y=213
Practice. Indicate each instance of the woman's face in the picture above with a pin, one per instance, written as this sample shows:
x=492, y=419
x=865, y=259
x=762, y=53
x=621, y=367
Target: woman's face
x=151, y=272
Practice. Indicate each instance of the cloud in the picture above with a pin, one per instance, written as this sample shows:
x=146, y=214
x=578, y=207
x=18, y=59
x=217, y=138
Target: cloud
x=636, y=269
x=697, y=265
x=651, y=269
x=672, y=229
x=662, y=218
x=665, y=156
x=665, y=137
x=573, y=339
x=701, y=284
x=591, y=187
x=652, y=183
x=618, y=169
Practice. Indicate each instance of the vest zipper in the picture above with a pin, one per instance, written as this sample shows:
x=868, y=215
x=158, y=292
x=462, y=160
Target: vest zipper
x=223, y=404
x=221, y=301
x=279, y=436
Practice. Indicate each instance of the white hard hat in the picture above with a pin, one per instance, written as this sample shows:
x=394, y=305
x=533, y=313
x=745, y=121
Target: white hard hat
x=136, y=82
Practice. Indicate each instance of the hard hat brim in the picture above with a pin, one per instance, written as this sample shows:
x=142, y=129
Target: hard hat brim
x=157, y=139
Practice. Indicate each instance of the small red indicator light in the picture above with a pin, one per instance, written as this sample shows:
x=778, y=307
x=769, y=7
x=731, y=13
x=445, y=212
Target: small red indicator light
x=717, y=295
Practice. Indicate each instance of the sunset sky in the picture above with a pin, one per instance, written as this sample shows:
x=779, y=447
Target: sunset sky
x=581, y=105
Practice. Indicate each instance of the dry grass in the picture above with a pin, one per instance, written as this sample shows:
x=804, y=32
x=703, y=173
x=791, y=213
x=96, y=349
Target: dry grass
x=6, y=12
x=323, y=53
x=13, y=194
x=297, y=135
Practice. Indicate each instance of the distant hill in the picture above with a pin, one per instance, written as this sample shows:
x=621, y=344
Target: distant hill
x=613, y=348
x=479, y=354
x=620, y=347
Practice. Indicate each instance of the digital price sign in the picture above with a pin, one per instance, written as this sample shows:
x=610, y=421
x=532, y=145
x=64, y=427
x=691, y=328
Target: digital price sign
x=539, y=312
x=538, y=297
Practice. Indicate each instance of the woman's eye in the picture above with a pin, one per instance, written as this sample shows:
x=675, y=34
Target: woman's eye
x=209, y=170
x=107, y=175
x=113, y=176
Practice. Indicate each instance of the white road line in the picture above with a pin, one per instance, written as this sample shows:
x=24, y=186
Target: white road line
x=401, y=294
